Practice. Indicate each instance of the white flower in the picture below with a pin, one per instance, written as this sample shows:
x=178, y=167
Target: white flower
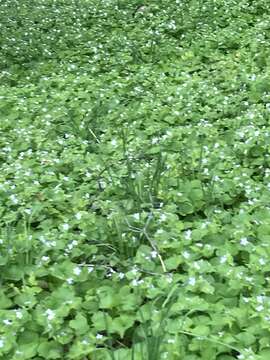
x=223, y=259
x=154, y=254
x=14, y=199
x=259, y=308
x=19, y=314
x=188, y=234
x=262, y=261
x=136, y=216
x=114, y=142
x=99, y=336
x=90, y=268
x=241, y=357
x=163, y=217
x=1, y=343
x=65, y=227
x=121, y=275
x=70, y=281
x=45, y=258
x=7, y=322
x=136, y=282
x=78, y=216
x=244, y=241
x=50, y=314
x=159, y=231
x=186, y=254
x=192, y=281
x=77, y=271
x=154, y=140
x=134, y=270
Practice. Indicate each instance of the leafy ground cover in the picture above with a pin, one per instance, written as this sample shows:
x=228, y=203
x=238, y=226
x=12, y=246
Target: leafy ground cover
x=134, y=192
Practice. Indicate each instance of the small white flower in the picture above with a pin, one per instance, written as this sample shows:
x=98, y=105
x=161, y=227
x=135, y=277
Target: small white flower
x=99, y=336
x=70, y=281
x=223, y=259
x=7, y=322
x=154, y=140
x=114, y=142
x=163, y=217
x=159, y=231
x=45, y=258
x=241, y=357
x=65, y=227
x=262, y=261
x=14, y=199
x=1, y=343
x=78, y=216
x=186, y=255
x=259, y=308
x=77, y=271
x=121, y=275
x=90, y=268
x=192, y=281
x=50, y=314
x=19, y=314
x=134, y=270
x=136, y=216
x=154, y=254
x=136, y=282
x=171, y=341
x=188, y=234
x=244, y=241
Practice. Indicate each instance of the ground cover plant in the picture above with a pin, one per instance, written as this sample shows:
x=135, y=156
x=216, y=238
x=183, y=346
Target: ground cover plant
x=135, y=180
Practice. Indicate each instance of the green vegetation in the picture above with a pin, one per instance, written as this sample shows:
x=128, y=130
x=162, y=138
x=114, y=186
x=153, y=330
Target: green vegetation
x=135, y=179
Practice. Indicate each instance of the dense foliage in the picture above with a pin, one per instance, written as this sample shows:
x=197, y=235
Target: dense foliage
x=135, y=180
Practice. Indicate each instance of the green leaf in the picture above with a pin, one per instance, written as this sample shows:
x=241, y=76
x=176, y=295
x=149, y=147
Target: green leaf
x=201, y=330
x=173, y=262
x=264, y=354
x=50, y=350
x=5, y=302
x=102, y=321
x=122, y=323
x=79, y=324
